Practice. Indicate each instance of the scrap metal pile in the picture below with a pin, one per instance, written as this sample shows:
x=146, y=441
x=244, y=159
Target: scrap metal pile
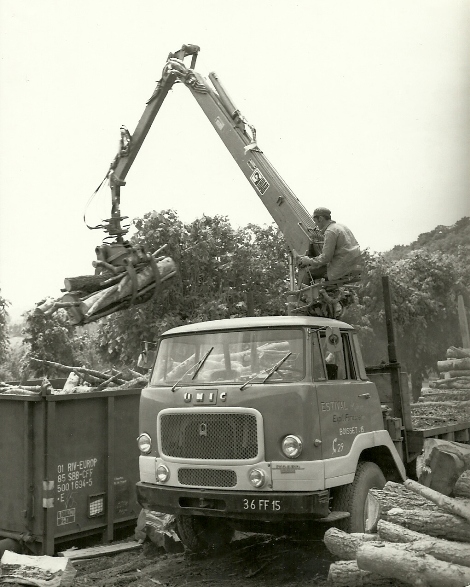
x=416, y=533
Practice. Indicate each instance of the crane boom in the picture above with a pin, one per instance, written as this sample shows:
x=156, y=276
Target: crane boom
x=238, y=136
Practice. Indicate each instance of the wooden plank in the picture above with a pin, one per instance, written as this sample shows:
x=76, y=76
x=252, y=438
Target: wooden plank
x=102, y=550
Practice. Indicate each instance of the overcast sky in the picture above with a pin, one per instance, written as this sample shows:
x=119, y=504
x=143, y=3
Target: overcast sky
x=362, y=106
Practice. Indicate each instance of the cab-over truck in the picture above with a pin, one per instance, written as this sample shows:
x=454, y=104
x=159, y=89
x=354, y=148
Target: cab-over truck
x=253, y=422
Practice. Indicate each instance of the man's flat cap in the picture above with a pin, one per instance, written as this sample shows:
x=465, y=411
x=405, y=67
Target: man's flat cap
x=321, y=212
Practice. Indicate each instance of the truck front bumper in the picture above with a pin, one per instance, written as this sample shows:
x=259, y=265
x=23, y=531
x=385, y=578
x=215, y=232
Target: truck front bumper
x=243, y=505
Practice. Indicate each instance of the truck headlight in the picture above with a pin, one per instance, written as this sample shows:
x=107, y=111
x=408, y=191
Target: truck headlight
x=292, y=446
x=257, y=477
x=162, y=473
x=144, y=443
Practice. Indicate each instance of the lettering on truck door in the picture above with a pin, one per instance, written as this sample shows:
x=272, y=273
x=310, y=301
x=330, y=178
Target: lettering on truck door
x=347, y=405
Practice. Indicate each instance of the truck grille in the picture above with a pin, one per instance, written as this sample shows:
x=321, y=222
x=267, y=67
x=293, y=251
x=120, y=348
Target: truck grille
x=207, y=477
x=227, y=436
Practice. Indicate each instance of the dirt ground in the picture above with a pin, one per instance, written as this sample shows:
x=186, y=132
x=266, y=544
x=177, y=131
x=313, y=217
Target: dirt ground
x=251, y=560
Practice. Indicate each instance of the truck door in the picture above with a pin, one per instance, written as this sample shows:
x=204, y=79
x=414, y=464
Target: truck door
x=347, y=404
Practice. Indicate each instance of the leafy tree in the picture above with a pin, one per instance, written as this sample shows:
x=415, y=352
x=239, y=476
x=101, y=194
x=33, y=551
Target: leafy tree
x=217, y=266
x=425, y=287
x=49, y=338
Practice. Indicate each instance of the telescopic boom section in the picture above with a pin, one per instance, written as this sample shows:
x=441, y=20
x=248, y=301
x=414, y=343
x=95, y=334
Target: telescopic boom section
x=238, y=136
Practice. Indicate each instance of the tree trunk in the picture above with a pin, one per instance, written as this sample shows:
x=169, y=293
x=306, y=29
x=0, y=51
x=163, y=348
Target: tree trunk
x=88, y=283
x=393, y=495
x=444, y=550
x=442, y=395
x=457, y=353
x=348, y=574
x=421, y=570
x=435, y=523
x=344, y=545
x=124, y=291
x=442, y=463
x=451, y=364
x=96, y=302
x=88, y=374
x=458, y=382
x=452, y=506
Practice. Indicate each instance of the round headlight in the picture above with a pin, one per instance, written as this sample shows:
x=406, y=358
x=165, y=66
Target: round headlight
x=292, y=446
x=257, y=477
x=162, y=473
x=145, y=443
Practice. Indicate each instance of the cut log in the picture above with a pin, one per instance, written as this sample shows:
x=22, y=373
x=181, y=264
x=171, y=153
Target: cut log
x=461, y=373
x=457, y=353
x=421, y=570
x=444, y=550
x=453, y=364
x=88, y=283
x=452, y=506
x=462, y=485
x=348, y=574
x=344, y=545
x=129, y=285
x=440, y=395
x=442, y=463
x=459, y=382
x=88, y=374
x=393, y=495
x=456, y=405
x=94, y=303
x=435, y=523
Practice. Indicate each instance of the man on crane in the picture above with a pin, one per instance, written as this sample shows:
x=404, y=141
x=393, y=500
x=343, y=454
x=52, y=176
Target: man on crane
x=340, y=255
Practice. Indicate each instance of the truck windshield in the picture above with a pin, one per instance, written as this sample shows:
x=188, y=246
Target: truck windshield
x=232, y=357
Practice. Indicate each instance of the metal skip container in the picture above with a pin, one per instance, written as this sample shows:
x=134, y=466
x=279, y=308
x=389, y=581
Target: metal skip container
x=68, y=466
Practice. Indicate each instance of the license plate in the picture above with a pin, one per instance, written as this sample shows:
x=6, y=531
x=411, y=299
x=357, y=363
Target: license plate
x=262, y=505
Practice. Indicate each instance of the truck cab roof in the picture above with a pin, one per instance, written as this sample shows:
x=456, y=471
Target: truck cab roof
x=262, y=322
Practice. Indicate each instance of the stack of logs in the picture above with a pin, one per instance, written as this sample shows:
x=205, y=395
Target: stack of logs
x=447, y=399
x=414, y=534
x=91, y=297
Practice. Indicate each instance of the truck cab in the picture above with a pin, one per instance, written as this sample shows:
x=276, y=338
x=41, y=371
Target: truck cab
x=260, y=420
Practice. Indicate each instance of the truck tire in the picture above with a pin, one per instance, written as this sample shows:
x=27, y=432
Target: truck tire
x=199, y=533
x=352, y=498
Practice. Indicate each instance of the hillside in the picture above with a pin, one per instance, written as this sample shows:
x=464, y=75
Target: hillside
x=452, y=240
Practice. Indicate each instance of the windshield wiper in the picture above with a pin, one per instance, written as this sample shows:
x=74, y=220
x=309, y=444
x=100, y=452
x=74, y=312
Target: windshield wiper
x=269, y=372
x=197, y=367
x=275, y=367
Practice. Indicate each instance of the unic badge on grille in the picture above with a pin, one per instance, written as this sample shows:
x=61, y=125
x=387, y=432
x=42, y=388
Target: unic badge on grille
x=191, y=435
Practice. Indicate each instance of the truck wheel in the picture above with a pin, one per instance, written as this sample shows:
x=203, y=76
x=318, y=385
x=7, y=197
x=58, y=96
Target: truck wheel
x=352, y=498
x=199, y=533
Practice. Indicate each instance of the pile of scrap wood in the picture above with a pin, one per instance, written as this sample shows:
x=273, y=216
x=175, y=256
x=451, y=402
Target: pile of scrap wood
x=447, y=399
x=90, y=297
x=82, y=380
x=415, y=535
